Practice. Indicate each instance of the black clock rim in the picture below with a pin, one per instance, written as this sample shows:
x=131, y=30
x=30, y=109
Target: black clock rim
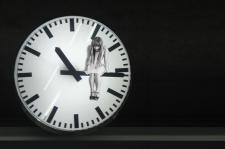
x=51, y=130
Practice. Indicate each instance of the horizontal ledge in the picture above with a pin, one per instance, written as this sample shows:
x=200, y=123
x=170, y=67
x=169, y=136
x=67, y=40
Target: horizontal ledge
x=118, y=134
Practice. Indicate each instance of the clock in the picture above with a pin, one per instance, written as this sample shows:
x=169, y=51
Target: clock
x=72, y=75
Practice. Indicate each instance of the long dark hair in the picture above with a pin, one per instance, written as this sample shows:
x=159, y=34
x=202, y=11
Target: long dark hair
x=97, y=41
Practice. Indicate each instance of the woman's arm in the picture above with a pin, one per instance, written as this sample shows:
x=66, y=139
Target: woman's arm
x=106, y=59
x=88, y=60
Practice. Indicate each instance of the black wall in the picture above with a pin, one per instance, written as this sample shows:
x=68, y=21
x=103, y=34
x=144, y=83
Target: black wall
x=177, y=51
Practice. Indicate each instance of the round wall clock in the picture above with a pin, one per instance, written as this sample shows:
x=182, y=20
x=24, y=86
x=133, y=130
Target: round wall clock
x=72, y=74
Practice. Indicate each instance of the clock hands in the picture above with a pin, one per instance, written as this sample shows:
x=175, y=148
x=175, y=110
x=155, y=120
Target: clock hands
x=77, y=74
x=82, y=73
x=69, y=66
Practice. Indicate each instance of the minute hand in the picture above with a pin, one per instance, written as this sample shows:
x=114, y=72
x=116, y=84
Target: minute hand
x=69, y=66
x=82, y=73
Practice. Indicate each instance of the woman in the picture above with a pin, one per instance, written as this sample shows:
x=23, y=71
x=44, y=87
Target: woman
x=96, y=65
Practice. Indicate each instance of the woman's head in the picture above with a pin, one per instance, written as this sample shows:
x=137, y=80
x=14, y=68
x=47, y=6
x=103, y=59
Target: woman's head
x=97, y=43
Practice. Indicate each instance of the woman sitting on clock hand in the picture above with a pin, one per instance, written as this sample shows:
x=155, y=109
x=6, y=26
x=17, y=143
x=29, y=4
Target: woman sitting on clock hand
x=96, y=65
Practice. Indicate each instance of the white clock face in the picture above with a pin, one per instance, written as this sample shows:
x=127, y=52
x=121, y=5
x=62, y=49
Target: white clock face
x=72, y=73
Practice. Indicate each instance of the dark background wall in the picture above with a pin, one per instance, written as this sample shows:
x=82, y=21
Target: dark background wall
x=177, y=51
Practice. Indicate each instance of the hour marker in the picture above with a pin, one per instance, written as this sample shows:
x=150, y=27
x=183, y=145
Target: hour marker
x=106, y=113
x=95, y=31
x=25, y=97
x=32, y=99
x=52, y=114
x=115, y=105
x=20, y=80
x=47, y=31
x=22, y=91
x=113, y=47
x=35, y=110
x=121, y=70
x=115, y=93
x=21, y=86
x=72, y=25
x=60, y=21
x=100, y=113
x=111, y=109
x=39, y=114
x=117, y=101
x=31, y=106
x=32, y=51
x=76, y=121
x=27, y=74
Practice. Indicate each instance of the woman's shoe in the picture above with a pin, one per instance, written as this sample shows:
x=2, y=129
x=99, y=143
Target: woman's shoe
x=92, y=97
x=96, y=95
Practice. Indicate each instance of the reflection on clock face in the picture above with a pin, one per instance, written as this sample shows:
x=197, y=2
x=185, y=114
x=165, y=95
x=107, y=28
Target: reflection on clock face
x=72, y=74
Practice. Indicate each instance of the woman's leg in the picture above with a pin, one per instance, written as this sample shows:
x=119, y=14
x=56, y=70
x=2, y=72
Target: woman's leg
x=95, y=84
x=98, y=83
x=91, y=82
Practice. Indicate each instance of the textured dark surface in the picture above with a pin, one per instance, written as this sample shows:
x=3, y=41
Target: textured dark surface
x=176, y=50
x=117, y=137
x=120, y=134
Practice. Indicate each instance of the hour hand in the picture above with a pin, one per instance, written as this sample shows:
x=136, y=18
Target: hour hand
x=69, y=66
